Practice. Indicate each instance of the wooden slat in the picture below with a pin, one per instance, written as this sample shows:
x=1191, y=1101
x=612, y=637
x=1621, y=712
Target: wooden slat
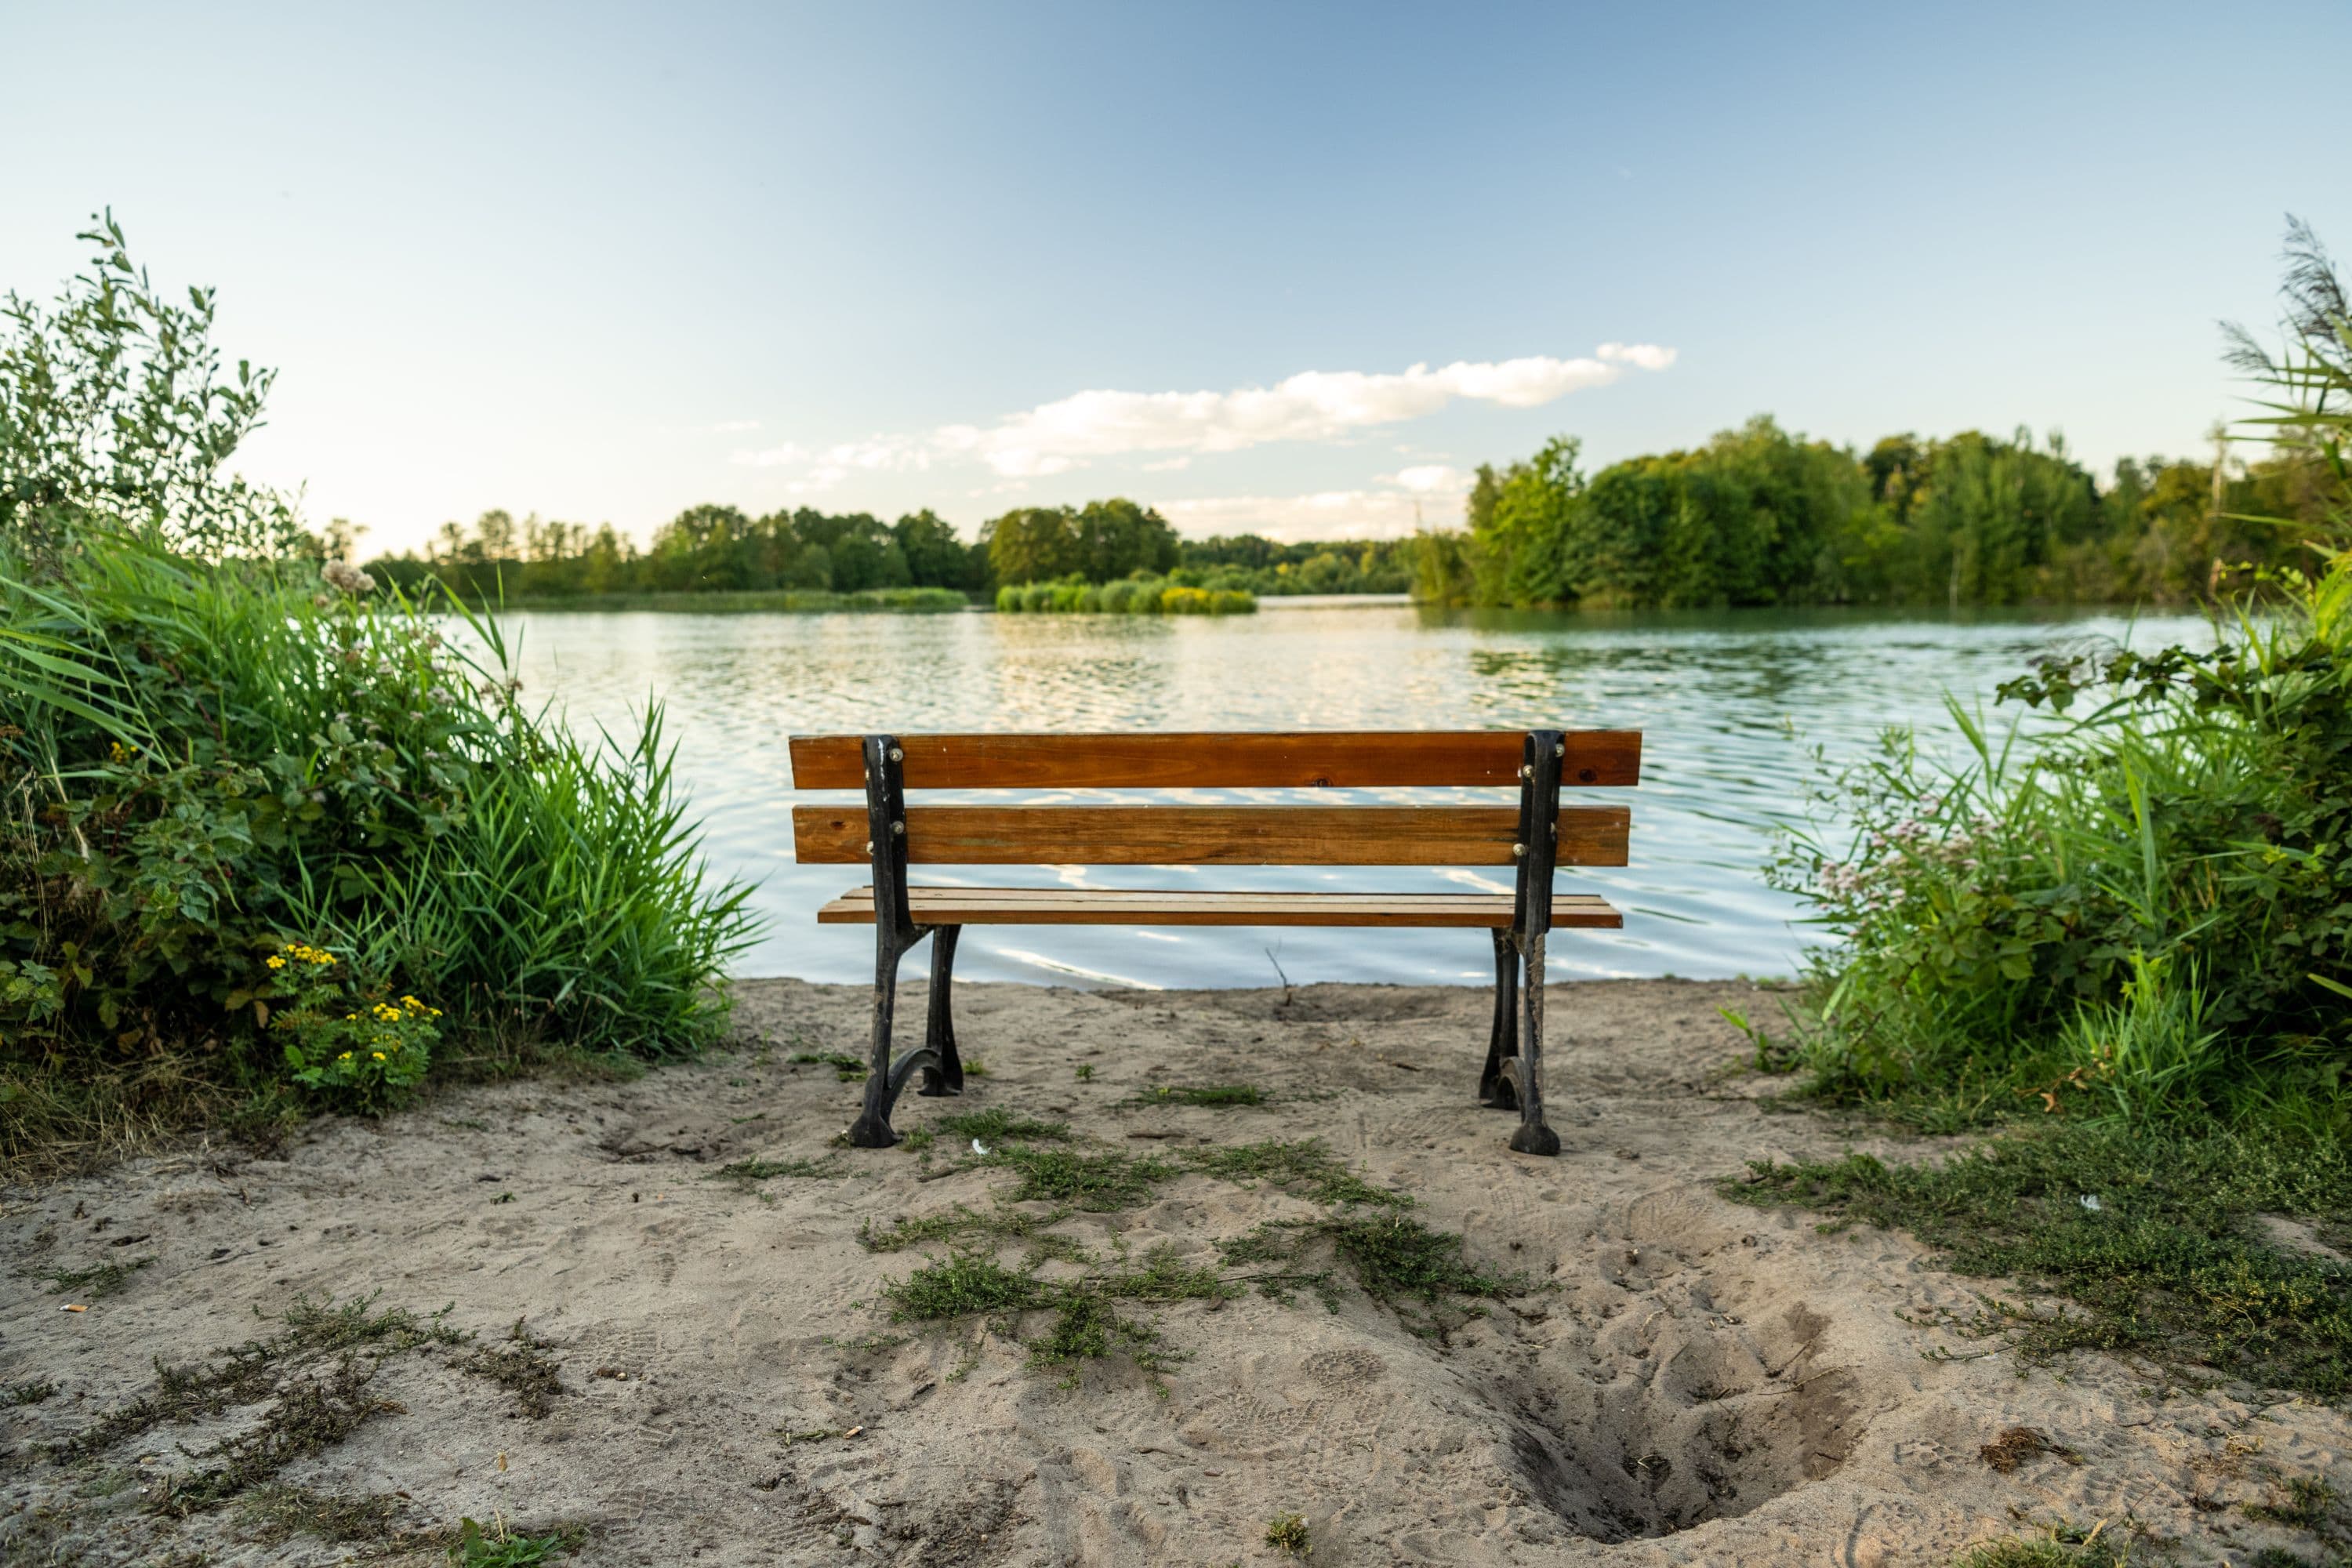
x=1129, y=906
x=1211, y=835
x=1288, y=759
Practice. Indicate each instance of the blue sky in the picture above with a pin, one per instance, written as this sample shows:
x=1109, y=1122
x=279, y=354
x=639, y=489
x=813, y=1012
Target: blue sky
x=604, y=263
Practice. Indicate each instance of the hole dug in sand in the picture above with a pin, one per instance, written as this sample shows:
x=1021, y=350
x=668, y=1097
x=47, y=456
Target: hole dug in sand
x=1709, y=1433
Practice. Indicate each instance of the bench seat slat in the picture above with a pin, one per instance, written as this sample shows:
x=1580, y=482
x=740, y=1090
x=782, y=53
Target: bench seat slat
x=1157, y=907
x=1282, y=760
x=1211, y=835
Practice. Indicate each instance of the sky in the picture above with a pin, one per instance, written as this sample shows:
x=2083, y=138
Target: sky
x=1293, y=268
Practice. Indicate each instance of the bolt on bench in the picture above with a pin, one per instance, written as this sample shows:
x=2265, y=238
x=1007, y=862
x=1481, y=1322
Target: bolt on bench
x=1534, y=837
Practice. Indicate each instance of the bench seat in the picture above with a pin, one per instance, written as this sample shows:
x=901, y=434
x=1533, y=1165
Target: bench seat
x=1170, y=907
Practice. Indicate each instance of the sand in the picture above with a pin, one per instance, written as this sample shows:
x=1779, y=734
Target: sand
x=1689, y=1380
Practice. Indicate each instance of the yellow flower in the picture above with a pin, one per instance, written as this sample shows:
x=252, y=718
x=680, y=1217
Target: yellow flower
x=276, y=962
x=379, y=1055
x=345, y=1057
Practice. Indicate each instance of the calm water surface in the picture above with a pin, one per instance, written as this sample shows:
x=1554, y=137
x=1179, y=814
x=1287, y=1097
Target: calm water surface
x=1732, y=706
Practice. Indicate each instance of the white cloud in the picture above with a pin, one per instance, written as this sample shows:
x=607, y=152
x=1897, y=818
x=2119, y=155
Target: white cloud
x=1313, y=406
x=1430, y=478
x=1648, y=356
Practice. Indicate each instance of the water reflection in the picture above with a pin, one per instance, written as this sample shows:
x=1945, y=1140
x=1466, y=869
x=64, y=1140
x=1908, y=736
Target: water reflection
x=1732, y=704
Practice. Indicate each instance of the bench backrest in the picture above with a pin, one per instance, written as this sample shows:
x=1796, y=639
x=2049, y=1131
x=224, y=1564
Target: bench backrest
x=1179, y=834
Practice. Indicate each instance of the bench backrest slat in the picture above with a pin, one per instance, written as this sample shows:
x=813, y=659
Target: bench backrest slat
x=1212, y=835
x=1290, y=759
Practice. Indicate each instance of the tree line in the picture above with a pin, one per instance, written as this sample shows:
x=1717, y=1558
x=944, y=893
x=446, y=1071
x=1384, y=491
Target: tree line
x=719, y=548
x=1761, y=516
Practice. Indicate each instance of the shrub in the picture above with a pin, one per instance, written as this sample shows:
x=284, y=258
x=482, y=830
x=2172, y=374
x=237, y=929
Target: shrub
x=1138, y=594
x=2145, y=911
x=217, y=753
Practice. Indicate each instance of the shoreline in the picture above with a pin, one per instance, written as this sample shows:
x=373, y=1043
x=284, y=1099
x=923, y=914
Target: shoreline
x=685, y=1365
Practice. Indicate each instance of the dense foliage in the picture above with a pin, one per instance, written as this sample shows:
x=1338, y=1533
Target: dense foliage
x=264, y=827
x=1140, y=594
x=704, y=549
x=1267, y=567
x=2145, y=911
x=1759, y=516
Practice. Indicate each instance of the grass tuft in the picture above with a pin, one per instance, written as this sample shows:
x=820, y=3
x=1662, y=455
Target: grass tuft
x=1304, y=1169
x=1287, y=1534
x=2167, y=1266
x=1097, y=1184
x=96, y=1282
x=522, y=1366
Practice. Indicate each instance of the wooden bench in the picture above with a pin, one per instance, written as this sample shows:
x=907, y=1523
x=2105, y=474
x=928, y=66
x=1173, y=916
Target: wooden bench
x=1534, y=837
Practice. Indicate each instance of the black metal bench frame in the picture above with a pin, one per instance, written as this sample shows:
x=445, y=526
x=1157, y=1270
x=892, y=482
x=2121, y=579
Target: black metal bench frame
x=1513, y=1075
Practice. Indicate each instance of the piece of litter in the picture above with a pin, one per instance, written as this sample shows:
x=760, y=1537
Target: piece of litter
x=853, y=1432
x=73, y=1309
x=2091, y=1203
x=978, y=1147
x=503, y=1461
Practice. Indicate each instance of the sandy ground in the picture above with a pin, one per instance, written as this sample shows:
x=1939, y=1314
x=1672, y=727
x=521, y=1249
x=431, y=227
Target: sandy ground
x=1690, y=1381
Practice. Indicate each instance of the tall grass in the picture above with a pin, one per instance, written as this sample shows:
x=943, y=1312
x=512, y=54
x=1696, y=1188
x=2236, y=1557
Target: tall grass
x=207, y=761
x=2144, y=913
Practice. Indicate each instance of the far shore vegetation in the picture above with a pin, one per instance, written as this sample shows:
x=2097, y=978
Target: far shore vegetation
x=721, y=558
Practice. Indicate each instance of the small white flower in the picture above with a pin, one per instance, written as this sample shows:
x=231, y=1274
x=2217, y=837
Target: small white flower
x=347, y=577
x=978, y=1147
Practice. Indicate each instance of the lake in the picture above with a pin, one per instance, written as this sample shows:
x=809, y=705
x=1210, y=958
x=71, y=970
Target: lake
x=1733, y=705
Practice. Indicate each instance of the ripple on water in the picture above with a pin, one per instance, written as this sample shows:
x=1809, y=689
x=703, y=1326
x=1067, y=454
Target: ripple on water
x=1732, y=705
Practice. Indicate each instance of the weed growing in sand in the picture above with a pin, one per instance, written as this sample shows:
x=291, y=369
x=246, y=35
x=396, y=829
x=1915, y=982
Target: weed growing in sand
x=998, y=1125
x=846, y=1069
x=499, y=1547
x=750, y=1171
x=961, y=1227
x=2305, y=1503
x=1088, y=1324
x=315, y=1374
x=312, y=1413
x=95, y=1283
x=1208, y=1096
x=32, y=1393
x=276, y=1514
x=245, y=1374
x=1096, y=1183
x=1304, y=1169
x=1286, y=1533
x=521, y=1366
x=1086, y=1072
x=2150, y=1234
x=2063, y=1548
x=1393, y=1258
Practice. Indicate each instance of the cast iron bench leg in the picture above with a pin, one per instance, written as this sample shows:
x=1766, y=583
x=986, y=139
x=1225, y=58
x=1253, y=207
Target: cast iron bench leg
x=947, y=1076
x=885, y=1079
x=1533, y=1137
x=1503, y=1041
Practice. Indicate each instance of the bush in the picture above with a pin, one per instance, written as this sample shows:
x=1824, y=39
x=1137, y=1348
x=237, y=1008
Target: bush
x=265, y=831
x=1139, y=595
x=2146, y=913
